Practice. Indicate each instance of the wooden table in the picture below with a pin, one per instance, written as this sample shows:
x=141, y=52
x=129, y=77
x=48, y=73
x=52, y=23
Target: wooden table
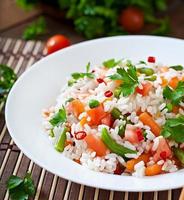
x=20, y=55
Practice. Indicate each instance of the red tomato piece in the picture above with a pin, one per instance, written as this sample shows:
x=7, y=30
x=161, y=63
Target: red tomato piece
x=151, y=59
x=133, y=134
x=107, y=120
x=56, y=43
x=145, y=90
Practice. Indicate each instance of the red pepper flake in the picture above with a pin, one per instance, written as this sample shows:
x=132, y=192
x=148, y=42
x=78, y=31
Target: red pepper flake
x=139, y=134
x=151, y=59
x=80, y=135
x=108, y=93
x=100, y=80
x=163, y=155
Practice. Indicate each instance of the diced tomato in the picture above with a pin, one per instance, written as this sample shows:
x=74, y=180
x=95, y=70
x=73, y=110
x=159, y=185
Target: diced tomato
x=151, y=59
x=96, y=115
x=145, y=90
x=107, y=120
x=131, y=134
x=96, y=144
x=76, y=107
x=163, y=151
x=119, y=169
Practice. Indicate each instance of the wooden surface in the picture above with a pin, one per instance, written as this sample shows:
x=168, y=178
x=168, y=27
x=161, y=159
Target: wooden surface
x=20, y=55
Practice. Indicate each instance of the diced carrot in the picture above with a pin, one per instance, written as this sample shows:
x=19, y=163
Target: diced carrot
x=77, y=107
x=67, y=142
x=153, y=170
x=145, y=90
x=96, y=144
x=131, y=163
x=138, y=112
x=96, y=115
x=163, y=69
x=118, y=82
x=174, y=82
x=146, y=119
x=164, y=81
x=176, y=109
x=83, y=121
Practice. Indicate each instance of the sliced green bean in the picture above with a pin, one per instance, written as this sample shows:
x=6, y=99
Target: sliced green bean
x=121, y=131
x=179, y=154
x=147, y=71
x=116, y=113
x=113, y=146
x=151, y=78
x=60, y=144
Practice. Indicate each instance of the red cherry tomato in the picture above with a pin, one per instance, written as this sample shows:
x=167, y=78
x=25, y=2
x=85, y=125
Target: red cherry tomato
x=56, y=43
x=132, y=19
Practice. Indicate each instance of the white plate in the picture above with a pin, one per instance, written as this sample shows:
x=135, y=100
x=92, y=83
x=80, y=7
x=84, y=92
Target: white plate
x=39, y=86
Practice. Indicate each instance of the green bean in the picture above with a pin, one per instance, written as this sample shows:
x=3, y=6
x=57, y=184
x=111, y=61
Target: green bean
x=113, y=146
x=93, y=103
x=121, y=131
x=60, y=144
x=179, y=154
x=151, y=78
x=147, y=71
x=116, y=113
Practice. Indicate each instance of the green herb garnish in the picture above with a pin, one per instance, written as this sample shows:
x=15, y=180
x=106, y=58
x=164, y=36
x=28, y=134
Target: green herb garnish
x=20, y=189
x=174, y=129
x=59, y=117
x=179, y=153
x=35, y=29
x=7, y=79
x=129, y=79
x=111, y=63
x=177, y=67
x=60, y=144
x=176, y=96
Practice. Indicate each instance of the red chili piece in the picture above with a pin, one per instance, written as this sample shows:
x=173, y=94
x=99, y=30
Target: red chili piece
x=108, y=93
x=151, y=59
x=100, y=80
x=80, y=135
x=139, y=134
x=163, y=155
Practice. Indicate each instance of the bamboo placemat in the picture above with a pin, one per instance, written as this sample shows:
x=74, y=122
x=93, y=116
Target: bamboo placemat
x=20, y=55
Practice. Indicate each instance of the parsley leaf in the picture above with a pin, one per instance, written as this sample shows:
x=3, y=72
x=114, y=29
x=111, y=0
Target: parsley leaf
x=20, y=189
x=129, y=79
x=111, y=63
x=177, y=67
x=175, y=96
x=7, y=79
x=59, y=117
x=35, y=29
x=174, y=129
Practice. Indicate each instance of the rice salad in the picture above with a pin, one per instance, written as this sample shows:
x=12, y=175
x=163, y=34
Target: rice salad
x=121, y=117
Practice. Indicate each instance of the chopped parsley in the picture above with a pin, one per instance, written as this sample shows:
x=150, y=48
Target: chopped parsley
x=59, y=117
x=176, y=96
x=111, y=63
x=129, y=79
x=20, y=188
x=174, y=129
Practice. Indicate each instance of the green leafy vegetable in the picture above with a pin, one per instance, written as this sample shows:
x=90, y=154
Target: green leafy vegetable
x=59, y=117
x=113, y=146
x=179, y=153
x=35, y=29
x=129, y=79
x=174, y=129
x=7, y=79
x=177, y=67
x=176, y=96
x=20, y=189
x=111, y=63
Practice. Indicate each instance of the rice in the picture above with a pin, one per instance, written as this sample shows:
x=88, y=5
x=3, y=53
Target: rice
x=127, y=136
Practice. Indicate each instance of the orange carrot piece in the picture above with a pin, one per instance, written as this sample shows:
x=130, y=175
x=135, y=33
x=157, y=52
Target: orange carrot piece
x=164, y=81
x=67, y=142
x=131, y=163
x=83, y=121
x=174, y=82
x=153, y=170
x=118, y=82
x=146, y=119
x=96, y=144
x=77, y=107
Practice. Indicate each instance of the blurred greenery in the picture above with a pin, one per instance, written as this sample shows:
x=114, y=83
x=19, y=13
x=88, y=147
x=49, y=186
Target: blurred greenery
x=97, y=18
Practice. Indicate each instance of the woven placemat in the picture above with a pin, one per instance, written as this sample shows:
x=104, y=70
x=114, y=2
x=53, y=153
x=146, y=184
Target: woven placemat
x=20, y=55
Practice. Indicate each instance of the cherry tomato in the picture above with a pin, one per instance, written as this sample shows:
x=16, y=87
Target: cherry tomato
x=56, y=43
x=132, y=19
